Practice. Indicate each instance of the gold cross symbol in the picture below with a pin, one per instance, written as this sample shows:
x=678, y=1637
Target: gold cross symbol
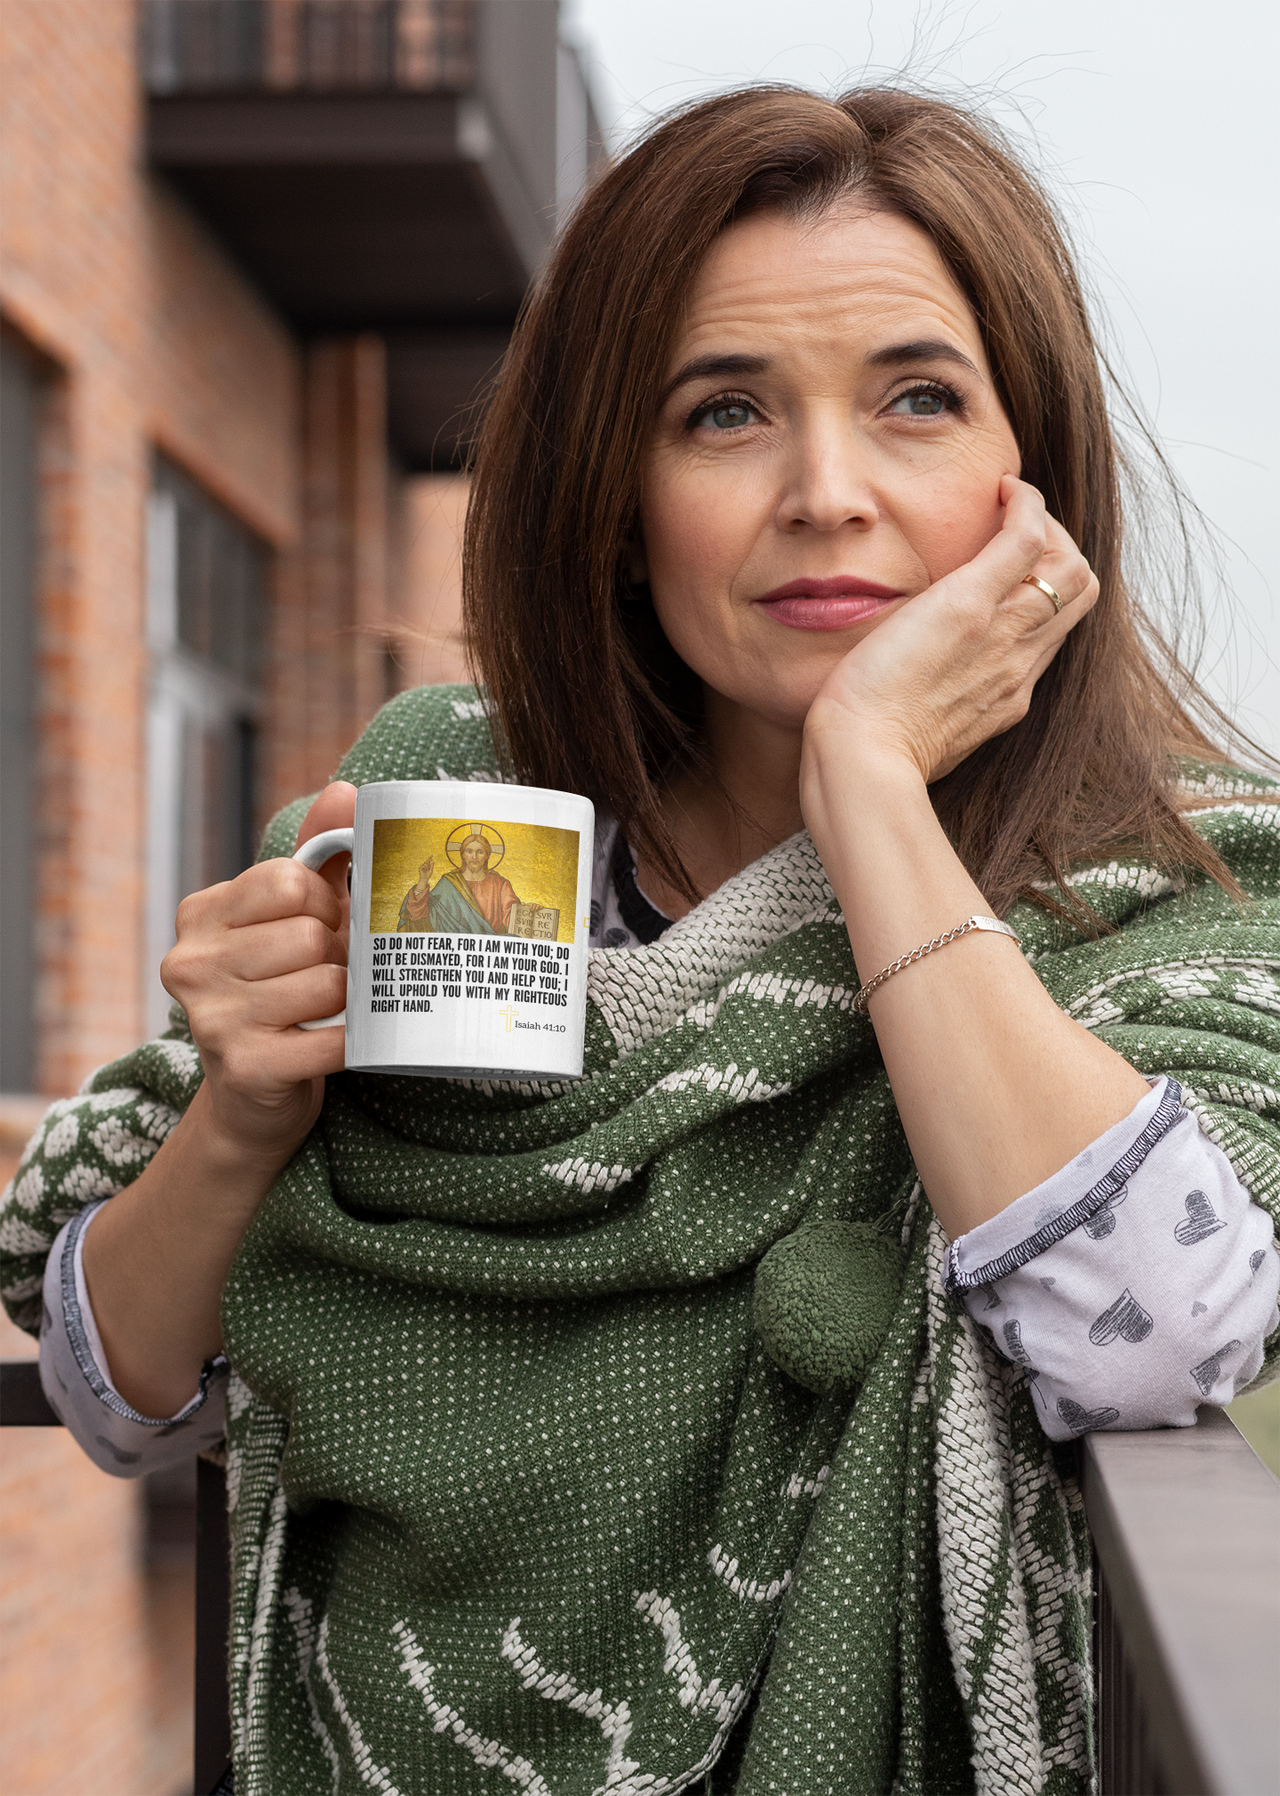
x=508, y=1013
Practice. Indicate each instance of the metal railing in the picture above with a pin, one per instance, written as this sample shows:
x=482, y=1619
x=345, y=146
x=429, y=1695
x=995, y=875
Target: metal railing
x=316, y=46
x=1186, y=1532
x=23, y=1404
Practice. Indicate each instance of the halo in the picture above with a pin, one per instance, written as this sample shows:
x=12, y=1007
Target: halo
x=453, y=842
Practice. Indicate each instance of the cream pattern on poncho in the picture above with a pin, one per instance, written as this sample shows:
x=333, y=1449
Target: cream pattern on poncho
x=519, y=1500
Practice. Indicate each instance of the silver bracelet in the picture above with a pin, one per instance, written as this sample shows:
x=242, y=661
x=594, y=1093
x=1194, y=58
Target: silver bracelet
x=939, y=941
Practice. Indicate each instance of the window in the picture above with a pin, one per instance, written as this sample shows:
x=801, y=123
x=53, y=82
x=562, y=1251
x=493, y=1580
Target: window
x=20, y=398
x=206, y=604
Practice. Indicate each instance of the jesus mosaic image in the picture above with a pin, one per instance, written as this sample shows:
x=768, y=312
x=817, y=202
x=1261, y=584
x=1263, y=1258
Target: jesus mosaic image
x=456, y=876
x=467, y=899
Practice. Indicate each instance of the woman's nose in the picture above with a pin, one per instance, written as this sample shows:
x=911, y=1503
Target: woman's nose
x=828, y=483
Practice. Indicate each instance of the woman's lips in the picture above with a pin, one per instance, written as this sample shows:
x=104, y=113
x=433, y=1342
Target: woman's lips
x=831, y=604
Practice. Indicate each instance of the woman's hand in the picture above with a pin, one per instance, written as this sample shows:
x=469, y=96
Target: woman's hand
x=255, y=956
x=956, y=665
x=996, y=1088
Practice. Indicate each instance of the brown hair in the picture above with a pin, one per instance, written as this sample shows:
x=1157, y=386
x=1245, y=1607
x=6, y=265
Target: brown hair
x=586, y=693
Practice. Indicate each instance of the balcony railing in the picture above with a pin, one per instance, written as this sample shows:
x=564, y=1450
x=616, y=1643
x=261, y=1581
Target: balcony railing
x=23, y=1405
x=1186, y=1534
x=373, y=165
x=1186, y=1530
x=321, y=46
x=388, y=166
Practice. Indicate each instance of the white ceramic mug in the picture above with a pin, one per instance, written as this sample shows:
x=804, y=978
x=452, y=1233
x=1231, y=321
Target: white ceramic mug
x=470, y=918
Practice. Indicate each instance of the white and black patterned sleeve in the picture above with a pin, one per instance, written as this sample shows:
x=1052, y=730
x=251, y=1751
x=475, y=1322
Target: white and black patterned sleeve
x=77, y=1381
x=1134, y=1285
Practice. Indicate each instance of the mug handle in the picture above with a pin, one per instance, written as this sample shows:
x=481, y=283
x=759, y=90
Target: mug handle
x=314, y=854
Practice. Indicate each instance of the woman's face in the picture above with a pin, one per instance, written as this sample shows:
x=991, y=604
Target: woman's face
x=830, y=443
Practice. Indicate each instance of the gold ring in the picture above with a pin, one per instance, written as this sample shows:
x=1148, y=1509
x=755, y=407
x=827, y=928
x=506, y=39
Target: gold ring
x=1046, y=589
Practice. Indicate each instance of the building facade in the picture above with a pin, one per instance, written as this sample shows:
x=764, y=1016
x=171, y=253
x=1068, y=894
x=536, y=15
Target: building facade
x=258, y=259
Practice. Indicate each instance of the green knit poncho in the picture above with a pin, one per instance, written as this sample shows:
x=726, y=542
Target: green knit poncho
x=618, y=1436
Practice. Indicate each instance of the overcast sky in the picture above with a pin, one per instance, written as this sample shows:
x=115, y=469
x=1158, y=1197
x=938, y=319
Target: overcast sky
x=1155, y=122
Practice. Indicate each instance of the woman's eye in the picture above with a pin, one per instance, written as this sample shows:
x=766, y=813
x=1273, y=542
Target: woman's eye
x=727, y=414
x=921, y=402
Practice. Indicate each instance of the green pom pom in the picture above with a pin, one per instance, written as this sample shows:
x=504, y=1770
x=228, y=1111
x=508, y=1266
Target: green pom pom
x=824, y=1299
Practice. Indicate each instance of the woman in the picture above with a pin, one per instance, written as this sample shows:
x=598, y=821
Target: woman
x=629, y=1435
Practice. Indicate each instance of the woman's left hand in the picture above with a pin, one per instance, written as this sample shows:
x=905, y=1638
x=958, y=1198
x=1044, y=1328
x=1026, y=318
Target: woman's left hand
x=956, y=664
x=996, y=1088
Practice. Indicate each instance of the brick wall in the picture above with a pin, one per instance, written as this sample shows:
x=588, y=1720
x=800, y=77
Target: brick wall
x=153, y=339
x=427, y=588
x=328, y=663
x=149, y=338
x=370, y=601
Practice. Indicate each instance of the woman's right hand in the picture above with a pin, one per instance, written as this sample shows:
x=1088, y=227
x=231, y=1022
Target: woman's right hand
x=255, y=956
